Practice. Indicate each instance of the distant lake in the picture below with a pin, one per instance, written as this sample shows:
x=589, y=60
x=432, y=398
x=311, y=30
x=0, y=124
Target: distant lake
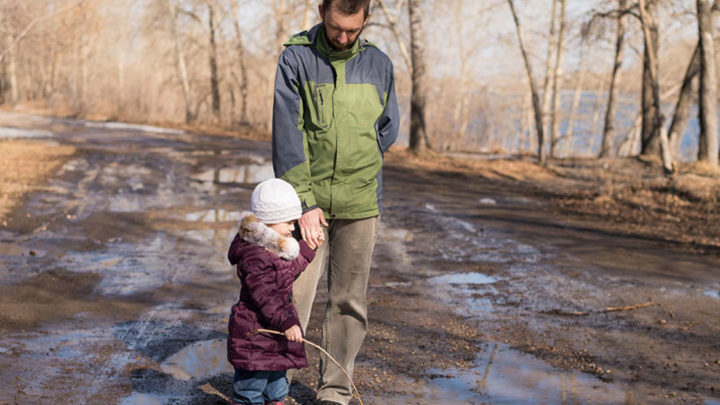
x=487, y=129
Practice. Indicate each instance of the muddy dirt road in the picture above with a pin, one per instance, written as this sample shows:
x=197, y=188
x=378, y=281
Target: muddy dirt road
x=114, y=287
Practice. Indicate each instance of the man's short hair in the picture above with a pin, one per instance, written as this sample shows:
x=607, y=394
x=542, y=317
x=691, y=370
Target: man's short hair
x=348, y=7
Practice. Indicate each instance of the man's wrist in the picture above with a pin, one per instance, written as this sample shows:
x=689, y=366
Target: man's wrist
x=307, y=209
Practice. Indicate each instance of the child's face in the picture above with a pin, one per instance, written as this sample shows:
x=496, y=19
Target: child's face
x=283, y=228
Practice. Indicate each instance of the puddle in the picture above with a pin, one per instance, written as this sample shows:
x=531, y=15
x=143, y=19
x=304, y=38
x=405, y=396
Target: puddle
x=15, y=133
x=198, y=360
x=219, y=215
x=145, y=399
x=131, y=127
x=253, y=173
x=712, y=293
x=464, y=278
x=398, y=284
x=505, y=376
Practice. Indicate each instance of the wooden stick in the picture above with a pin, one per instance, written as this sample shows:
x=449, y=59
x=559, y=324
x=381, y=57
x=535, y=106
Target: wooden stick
x=274, y=332
x=606, y=310
x=628, y=307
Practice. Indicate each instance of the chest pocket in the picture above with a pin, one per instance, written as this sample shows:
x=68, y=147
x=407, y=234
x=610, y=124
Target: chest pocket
x=321, y=113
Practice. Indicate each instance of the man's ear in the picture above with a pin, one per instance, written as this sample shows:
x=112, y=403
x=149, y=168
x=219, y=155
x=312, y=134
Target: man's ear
x=367, y=17
x=321, y=10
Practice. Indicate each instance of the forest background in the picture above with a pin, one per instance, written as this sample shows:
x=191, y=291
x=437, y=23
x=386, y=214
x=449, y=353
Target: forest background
x=212, y=62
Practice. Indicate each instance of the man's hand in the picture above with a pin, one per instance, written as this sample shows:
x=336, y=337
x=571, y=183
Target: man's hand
x=294, y=334
x=311, y=227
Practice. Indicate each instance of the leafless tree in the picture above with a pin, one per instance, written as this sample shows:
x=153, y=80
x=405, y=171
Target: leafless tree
x=708, y=141
x=393, y=24
x=213, y=60
x=531, y=83
x=240, y=49
x=418, y=99
x=685, y=98
x=557, y=77
x=650, y=52
x=651, y=123
x=549, y=77
x=609, y=128
x=180, y=60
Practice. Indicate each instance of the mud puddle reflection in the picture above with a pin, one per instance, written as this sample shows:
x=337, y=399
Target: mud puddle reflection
x=506, y=376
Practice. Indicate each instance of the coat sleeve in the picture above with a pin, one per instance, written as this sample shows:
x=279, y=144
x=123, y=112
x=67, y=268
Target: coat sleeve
x=389, y=123
x=304, y=258
x=276, y=313
x=289, y=139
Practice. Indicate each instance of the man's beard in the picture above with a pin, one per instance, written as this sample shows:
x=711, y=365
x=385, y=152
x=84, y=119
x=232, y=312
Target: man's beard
x=339, y=48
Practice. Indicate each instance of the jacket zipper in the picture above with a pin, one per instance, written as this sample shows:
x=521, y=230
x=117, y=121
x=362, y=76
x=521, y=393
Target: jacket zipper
x=322, y=108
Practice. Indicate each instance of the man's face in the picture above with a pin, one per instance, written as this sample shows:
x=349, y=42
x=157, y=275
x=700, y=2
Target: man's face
x=342, y=30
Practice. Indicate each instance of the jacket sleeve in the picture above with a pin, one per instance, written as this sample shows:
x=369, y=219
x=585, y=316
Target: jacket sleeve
x=389, y=123
x=260, y=278
x=289, y=139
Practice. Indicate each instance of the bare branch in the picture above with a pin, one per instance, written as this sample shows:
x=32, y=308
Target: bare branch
x=35, y=21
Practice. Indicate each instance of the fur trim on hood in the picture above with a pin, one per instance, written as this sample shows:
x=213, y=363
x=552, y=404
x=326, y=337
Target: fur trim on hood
x=255, y=232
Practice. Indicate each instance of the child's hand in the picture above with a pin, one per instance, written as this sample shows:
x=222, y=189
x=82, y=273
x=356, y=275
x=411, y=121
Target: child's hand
x=320, y=240
x=294, y=334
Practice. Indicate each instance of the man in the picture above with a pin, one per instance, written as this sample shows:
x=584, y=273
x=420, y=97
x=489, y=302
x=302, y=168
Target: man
x=335, y=114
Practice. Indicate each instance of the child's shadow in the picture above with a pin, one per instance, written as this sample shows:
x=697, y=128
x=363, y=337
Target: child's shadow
x=301, y=394
x=174, y=356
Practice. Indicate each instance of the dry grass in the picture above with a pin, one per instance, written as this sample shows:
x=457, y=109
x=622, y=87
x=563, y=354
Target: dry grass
x=24, y=167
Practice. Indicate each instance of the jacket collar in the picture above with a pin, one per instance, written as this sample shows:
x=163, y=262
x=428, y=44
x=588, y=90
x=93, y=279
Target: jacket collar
x=317, y=35
x=255, y=232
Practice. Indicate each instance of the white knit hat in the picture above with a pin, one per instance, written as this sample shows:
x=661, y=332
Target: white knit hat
x=274, y=201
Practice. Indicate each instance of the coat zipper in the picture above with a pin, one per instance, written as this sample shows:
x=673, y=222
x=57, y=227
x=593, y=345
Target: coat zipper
x=322, y=108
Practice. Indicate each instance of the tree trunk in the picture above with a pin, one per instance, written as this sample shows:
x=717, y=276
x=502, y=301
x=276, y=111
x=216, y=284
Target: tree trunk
x=609, y=132
x=685, y=98
x=531, y=82
x=650, y=51
x=548, y=83
x=557, y=77
x=462, y=106
x=180, y=60
x=708, y=140
x=281, y=13
x=651, y=113
x=240, y=48
x=12, y=69
x=214, y=82
x=684, y=102
x=418, y=98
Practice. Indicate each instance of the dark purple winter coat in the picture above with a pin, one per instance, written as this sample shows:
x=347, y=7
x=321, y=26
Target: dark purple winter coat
x=267, y=265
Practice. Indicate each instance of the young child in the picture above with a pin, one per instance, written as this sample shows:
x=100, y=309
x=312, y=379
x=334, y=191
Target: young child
x=268, y=260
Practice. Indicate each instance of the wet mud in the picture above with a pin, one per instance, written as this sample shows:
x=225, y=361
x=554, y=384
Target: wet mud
x=114, y=286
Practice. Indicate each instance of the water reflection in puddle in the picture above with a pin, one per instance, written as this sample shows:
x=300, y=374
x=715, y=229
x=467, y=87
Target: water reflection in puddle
x=505, y=376
x=219, y=215
x=198, y=360
x=254, y=173
x=464, y=278
x=712, y=293
x=145, y=399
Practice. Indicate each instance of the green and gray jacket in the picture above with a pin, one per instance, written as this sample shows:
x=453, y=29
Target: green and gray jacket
x=334, y=115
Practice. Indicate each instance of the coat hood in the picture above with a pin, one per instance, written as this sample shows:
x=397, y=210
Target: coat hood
x=254, y=232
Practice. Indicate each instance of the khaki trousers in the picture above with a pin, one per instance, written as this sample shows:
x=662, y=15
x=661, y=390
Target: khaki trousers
x=347, y=255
